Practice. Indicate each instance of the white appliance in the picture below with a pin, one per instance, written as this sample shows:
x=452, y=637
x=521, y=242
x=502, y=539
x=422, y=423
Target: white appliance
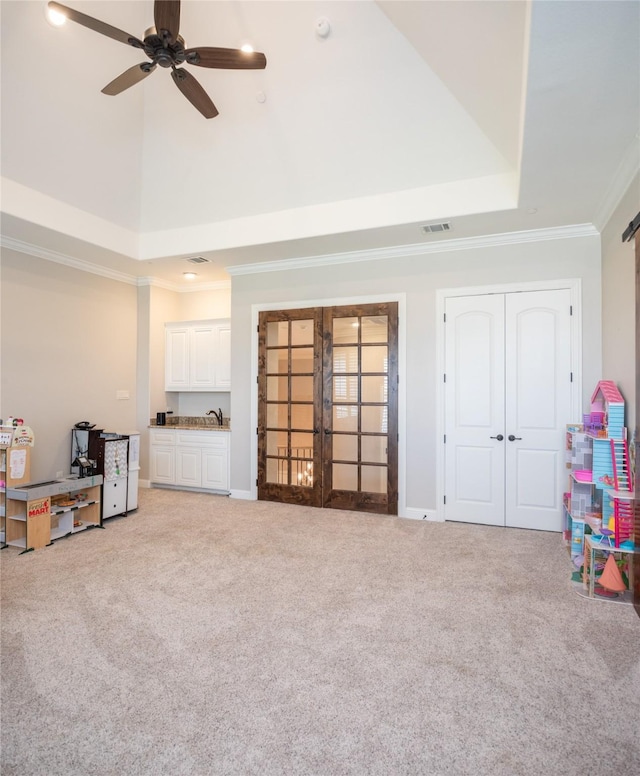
x=133, y=464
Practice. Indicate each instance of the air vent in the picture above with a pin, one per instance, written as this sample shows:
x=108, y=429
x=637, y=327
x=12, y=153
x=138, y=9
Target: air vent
x=434, y=228
x=198, y=260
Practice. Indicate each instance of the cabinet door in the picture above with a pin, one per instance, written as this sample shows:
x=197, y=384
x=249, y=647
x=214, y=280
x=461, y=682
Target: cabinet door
x=176, y=355
x=215, y=469
x=114, y=497
x=223, y=356
x=203, y=347
x=163, y=465
x=188, y=467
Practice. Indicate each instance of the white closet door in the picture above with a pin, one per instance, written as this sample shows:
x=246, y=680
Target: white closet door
x=508, y=375
x=474, y=397
x=538, y=406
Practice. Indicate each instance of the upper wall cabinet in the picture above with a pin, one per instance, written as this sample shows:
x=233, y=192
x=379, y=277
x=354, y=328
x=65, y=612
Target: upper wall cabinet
x=198, y=356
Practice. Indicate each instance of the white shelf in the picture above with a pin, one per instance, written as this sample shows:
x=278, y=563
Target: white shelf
x=19, y=543
x=78, y=505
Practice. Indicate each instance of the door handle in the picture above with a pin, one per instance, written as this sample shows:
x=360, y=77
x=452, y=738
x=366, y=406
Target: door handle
x=315, y=431
x=327, y=431
x=499, y=437
x=512, y=438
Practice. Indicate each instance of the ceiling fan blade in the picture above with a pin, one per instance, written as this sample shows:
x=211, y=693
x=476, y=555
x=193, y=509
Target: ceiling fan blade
x=166, y=14
x=130, y=77
x=96, y=25
x=194, y=93
x=229, y=59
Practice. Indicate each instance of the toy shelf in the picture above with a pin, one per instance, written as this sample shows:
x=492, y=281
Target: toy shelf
x=38, y=514
x=597, y=549
x=77, y=517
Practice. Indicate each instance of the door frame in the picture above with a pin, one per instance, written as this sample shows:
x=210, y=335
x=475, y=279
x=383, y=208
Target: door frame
x=401, y=299
x=574, y=286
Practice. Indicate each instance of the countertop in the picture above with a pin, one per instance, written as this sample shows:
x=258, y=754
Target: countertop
x=189, y=427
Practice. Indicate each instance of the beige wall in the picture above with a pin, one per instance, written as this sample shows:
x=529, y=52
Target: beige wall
x=68, y=344
x=618, y=300
x=418, y=277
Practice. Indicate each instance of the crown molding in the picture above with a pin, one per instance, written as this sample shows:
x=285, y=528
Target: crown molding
x=418, y=249
x=86, y=266
x=214, y=285
x=62, y=258
x=623, y=178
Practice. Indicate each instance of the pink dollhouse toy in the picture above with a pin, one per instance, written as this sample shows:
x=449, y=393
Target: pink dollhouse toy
x=606, y=418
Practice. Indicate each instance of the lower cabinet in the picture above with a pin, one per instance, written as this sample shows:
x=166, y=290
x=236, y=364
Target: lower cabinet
x=190, y=459
x=114, y=497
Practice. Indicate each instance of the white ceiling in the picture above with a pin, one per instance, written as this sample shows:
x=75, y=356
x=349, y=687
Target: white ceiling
x=470, y=111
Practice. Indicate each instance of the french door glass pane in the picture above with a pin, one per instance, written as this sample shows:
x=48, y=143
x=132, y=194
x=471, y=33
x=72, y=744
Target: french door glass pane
x=302, y=416
x=277, y=443
x=345, y=447
x=277, y=333
x=277, y=416
x=375, y=359
x=302, y=360
x=345, y=359
x=277, y=470
x=345, y=418
x=374, y=389
x=278, y=361
x=302, y=473
x=345, y=331
x=374, y=328
x=374, y=479
x=277, y=389
x=345, y=388
x=374, y=420
x=302, y=444
x=302, y=332
x=302, y=389
x=345, y=476
x=374, y=449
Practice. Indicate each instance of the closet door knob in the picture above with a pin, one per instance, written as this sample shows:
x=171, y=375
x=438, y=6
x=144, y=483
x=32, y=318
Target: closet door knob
x=513, y=438
x=499, y=437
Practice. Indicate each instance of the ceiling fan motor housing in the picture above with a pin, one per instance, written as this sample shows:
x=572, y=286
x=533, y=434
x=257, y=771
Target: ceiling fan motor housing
x=161, y=52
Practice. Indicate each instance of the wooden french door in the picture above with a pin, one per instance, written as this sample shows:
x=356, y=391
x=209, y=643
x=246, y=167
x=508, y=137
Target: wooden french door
x=328, y=407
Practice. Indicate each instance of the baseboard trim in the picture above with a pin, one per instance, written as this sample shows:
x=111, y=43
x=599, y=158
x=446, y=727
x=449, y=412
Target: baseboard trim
x=144, y=483
x=421, y=514
x=244, y=495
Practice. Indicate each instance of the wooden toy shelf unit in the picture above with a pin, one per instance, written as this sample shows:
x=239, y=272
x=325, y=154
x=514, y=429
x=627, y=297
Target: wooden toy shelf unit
x=40, y=513
x=15, y=469
x=600, y=506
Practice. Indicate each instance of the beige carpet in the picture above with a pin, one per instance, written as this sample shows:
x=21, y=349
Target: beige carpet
x=202, y=635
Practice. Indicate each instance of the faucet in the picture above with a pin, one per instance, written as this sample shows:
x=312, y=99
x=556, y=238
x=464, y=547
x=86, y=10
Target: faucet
x=218, y=415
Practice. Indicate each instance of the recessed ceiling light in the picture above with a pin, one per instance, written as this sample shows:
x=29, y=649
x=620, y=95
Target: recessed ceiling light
x=55, y=17
x=247, y=48
x=189, y=275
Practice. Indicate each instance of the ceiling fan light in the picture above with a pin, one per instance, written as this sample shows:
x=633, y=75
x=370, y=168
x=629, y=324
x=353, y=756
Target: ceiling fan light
x=55, y=18
x=247, y=48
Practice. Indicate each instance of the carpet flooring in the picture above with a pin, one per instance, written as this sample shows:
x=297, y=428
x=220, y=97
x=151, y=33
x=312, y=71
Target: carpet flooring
x=202, y=635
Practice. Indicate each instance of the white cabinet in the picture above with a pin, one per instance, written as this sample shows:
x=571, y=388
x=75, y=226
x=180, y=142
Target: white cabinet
x=215, y=465
x=190, y=459
x=198, y=356
x=189, y=467
x=114, y=497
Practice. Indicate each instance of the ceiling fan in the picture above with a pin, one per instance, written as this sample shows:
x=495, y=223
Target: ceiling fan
x=164, y=46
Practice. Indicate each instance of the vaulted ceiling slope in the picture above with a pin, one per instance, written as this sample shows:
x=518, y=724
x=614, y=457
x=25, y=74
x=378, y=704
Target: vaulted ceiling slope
x=473, y=111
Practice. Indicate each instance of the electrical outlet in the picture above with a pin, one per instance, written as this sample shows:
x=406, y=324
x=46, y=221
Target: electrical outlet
x=59, y=475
